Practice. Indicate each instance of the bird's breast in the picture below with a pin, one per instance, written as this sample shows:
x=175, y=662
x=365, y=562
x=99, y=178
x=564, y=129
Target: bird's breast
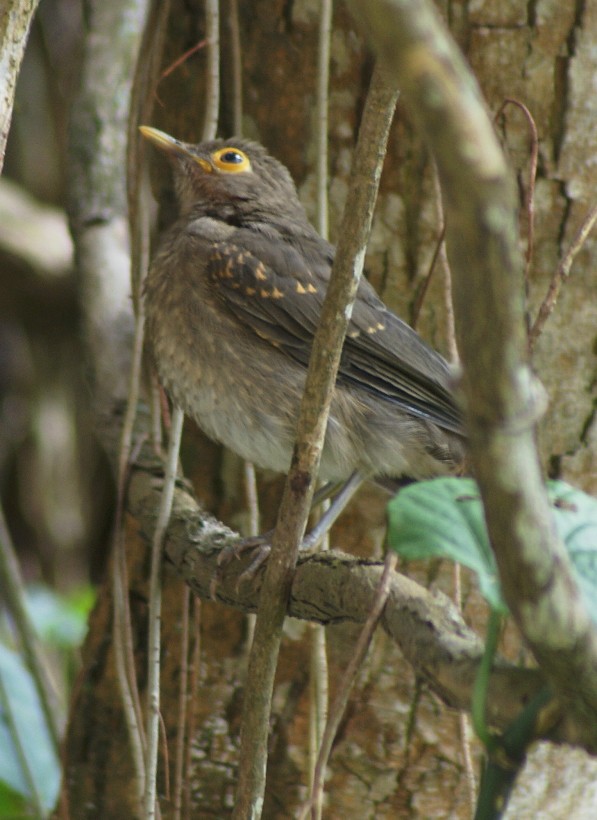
x=240, y=390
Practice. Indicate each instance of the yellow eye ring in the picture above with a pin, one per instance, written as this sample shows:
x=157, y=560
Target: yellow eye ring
x=231, y=160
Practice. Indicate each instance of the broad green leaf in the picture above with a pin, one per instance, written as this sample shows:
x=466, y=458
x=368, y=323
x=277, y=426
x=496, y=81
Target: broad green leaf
x=32, y=731
x=444, y=518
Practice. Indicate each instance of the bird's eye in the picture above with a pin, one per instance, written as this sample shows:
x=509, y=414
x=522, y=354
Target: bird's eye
x=231, y=160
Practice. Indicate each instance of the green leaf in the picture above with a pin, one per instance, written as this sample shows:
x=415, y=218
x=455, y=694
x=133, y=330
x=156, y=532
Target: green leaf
x=12, y=805
x=33, y=734
x=59, y=620
x=444, y=518
x=575, y=515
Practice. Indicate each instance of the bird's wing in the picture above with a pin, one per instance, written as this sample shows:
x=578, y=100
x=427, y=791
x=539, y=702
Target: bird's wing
x=385, y=354
x=277, y=289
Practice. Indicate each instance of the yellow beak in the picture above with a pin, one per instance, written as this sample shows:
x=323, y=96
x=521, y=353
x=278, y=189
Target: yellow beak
x=171, y=146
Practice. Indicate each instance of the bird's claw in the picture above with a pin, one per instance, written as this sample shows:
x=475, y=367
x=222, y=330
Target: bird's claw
x=259, y=544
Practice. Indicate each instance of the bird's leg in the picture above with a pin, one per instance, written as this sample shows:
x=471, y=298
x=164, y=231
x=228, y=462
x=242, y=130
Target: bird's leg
x=261, y=544
x=336, y=508
x=326, y=491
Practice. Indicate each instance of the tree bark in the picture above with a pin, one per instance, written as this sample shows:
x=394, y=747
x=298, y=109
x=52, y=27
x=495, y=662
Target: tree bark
x=15, y=21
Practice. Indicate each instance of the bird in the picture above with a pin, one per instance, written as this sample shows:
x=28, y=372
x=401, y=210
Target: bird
x=233, y=297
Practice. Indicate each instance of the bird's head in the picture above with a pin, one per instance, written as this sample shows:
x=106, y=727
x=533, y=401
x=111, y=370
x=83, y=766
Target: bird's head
x=233, y=177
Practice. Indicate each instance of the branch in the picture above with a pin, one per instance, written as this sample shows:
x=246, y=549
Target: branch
x=212, y=74
x=561, y=275
x=15, y=22
x=537, y=579
x=35, y=233
x=312, y=422
x=98, y=217
x=97, y=201
x=333, y=587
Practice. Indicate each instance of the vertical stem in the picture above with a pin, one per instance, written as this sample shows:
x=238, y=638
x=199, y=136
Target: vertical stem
x=125, y=663
x=193, y=685
x=212, y=85
x=252, y=497
x=155, y=614
x=445, y=264
x=212, y=24
x=479, y=699
x=298, y=492
x=142, y=96
x=561, y=275
x=318, y=708
x=341, y=699
x=319, y=702
x=179, y=758
x=321, y=141
x=237, y=73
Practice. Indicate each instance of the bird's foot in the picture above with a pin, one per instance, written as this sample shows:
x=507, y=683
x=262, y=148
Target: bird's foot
x=259, y=545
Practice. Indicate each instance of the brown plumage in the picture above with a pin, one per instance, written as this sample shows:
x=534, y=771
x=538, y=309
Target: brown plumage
x=233, y=299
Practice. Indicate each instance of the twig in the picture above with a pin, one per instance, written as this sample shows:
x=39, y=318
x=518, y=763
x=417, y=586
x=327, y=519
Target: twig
x=155, y=594
x=412, y=716
x=252, y=497
x=122, y=630
x=424, y=286
x=138, y=197
x=445, y=264
x=530, y=192
x=318, y=707
x=469, y=768
x=166, y=757
x=129, y=698
x=183, y=58
x=463, y=720
x=298, y=491
x=318, y=686
x=237, y=70
x=318, y=669
x=193, y=687
x=155, y=612
x=348, y=680
x=321, y=131
x=251, y=493
x=212, y=74
x=561, y=274
x=529, y=202
x=183, y=696
x=14, y=595
x=124, y=660
x=141, y=111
